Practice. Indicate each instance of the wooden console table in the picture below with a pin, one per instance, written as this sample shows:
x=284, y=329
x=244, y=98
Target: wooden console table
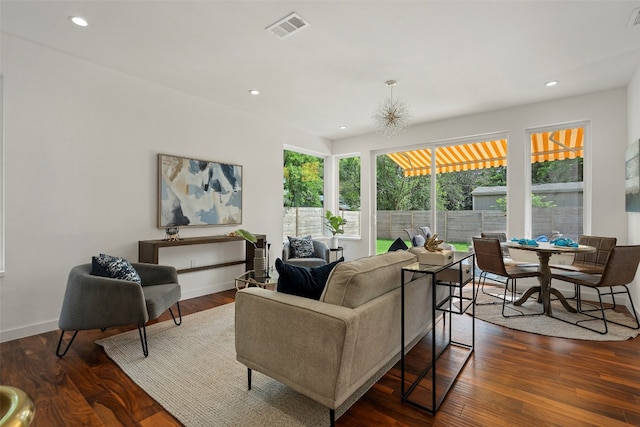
x=148, y=250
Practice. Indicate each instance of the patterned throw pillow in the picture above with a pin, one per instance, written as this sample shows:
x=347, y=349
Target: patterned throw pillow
x=301, y=247
x=118, y=268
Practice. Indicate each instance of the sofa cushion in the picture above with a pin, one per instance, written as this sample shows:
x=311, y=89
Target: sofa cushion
x=117, y=268
x=301, y=247
x=303, y=281
x=354, y=283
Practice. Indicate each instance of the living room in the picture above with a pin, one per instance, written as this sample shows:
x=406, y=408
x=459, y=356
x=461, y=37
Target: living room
x=80, y=166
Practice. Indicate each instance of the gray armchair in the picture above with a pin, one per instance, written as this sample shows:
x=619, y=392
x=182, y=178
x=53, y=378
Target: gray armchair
x=95, y=302
x=319, y=257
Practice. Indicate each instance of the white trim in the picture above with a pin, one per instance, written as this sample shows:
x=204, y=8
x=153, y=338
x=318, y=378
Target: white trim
x=2, y=186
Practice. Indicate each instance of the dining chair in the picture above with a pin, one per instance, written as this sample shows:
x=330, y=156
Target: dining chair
x=490, y=261
x=619, y=271
x=589, y=262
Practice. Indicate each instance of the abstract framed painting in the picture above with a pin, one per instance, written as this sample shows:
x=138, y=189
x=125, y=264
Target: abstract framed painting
x=195, y=192
x=632, y=177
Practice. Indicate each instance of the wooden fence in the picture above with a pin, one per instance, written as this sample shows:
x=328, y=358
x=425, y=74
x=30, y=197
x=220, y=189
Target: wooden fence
x=452, y=226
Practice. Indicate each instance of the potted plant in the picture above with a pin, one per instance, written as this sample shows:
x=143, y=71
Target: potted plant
x=259, y=264
x=334, y=224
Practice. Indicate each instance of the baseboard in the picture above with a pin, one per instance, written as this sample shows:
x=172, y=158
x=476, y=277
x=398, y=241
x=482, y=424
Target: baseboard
x=27, y=331
x=52, y=325
x=206, y=290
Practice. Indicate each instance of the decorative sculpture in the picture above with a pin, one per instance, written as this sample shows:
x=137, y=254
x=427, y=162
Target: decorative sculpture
x=432, y=244
x=172, y=233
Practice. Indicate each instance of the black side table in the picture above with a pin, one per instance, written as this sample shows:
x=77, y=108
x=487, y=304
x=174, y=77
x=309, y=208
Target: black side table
x=447, y=307
x=339, y=252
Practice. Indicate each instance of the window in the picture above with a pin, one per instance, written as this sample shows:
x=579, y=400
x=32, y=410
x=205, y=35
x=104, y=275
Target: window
x=349, y=194
x=303, y=178
x=557, y=182
x=467, y=180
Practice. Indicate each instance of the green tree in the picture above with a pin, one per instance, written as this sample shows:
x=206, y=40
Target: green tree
x=567, y=170
x=536, y=202
x=303, y=178
x=391, y=185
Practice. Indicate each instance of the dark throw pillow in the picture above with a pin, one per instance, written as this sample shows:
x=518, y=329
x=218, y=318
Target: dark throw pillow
x=301, y=247
x=398, y=245
x=303, y=281
x=117, y=268
x=97, y=269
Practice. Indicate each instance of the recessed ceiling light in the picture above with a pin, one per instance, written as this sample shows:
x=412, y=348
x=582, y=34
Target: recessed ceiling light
x=551, y=83
x=342, y=127
x=254, y=92
x=80, y=22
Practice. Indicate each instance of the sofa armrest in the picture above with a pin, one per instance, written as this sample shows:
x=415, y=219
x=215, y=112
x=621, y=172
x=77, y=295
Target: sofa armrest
x=300, y=342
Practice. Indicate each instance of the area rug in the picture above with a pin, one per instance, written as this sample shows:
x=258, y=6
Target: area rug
x=192, y=372
x=550, y=326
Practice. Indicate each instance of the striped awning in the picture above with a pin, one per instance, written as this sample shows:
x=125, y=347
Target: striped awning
x=545, y=146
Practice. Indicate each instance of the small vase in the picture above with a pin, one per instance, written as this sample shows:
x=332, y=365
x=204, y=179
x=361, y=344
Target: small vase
x=334, y=243
x=259, y=263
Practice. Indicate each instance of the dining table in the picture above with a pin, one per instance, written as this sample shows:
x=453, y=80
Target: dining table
x=544, y=250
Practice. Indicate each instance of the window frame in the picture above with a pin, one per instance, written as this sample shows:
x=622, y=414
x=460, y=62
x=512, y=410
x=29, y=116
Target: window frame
x=586, y=172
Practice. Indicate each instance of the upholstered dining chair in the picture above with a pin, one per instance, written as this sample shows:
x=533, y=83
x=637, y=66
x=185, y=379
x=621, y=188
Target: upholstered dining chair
x=490, y=260
x=619, y=271
x=502, y=237
x=590, y=262
x=96, y=302
x=317, y=258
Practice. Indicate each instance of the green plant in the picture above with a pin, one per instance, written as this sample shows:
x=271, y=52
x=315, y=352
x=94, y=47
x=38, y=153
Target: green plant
x=248, y=236
x=334, y=223
x=536, y=202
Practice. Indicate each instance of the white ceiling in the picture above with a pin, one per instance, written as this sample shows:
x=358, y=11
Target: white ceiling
x=450, y=58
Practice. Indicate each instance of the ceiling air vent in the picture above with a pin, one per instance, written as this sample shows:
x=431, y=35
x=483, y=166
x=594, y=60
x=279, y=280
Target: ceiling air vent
x=288, y=25
x=635, y=18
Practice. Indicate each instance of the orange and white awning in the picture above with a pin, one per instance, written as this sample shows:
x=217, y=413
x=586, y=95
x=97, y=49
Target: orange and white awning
x=545, y=146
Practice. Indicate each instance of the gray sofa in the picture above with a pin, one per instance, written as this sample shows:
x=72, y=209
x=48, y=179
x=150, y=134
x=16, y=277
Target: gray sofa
x=336, y=348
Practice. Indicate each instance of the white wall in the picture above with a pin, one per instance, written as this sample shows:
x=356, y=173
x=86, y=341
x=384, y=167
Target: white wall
x=81, y=145
x=633, y=218
x=607, y=113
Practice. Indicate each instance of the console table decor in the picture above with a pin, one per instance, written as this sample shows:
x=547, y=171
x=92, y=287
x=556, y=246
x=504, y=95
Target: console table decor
x=148, y=250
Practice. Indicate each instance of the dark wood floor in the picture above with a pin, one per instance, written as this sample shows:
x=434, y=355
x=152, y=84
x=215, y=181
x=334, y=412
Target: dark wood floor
x=513, y=379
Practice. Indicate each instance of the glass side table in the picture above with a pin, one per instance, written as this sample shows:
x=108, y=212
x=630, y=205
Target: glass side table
x=248, y=279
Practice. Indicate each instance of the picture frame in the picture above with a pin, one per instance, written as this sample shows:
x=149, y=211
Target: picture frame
x=195, y=192
x=632, y=177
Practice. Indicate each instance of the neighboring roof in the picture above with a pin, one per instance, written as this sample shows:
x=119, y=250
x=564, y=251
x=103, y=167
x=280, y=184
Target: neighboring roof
x=546, y=146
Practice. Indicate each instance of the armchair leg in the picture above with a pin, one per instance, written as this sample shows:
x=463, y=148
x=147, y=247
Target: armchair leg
x=179, y=321
x=332, y=417
x=142, y=331
x=67, y=346
x=249, y=378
